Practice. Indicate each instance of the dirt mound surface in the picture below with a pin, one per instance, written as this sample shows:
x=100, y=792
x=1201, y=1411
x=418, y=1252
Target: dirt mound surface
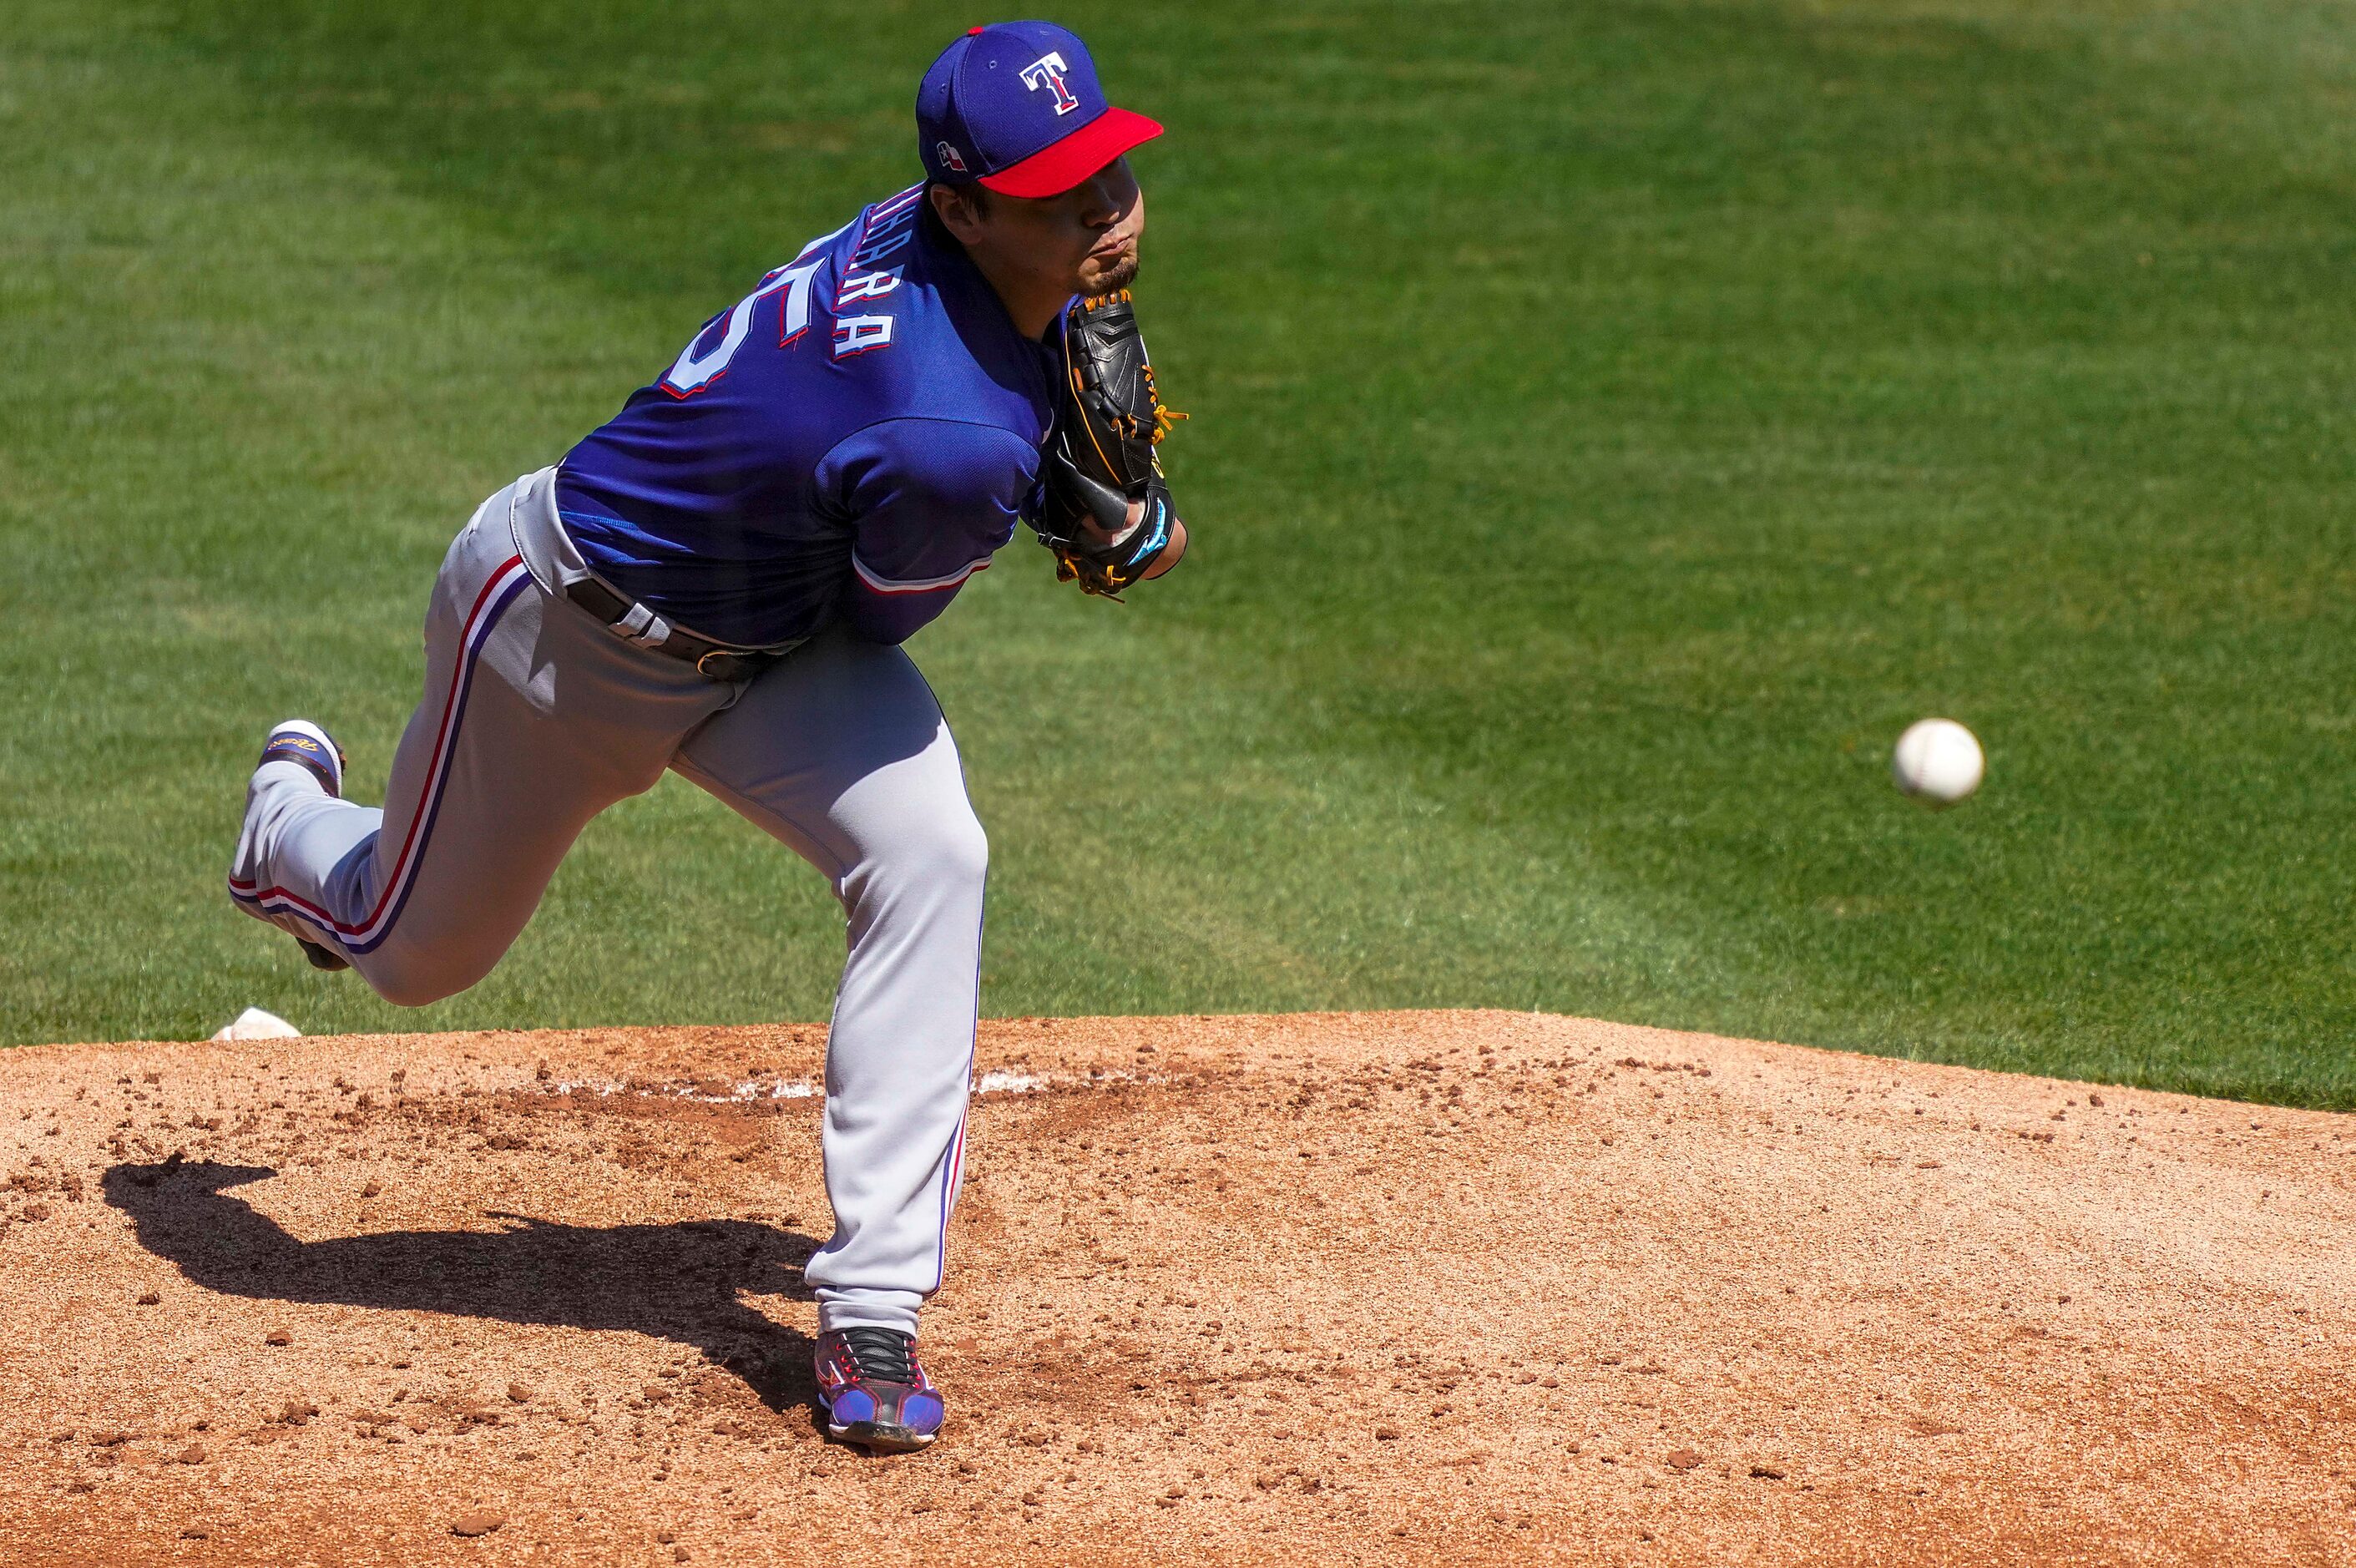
x=1385, y=1288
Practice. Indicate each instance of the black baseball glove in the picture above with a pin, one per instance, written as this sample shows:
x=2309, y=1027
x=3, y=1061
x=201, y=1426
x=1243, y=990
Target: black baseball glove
x=1099, y=457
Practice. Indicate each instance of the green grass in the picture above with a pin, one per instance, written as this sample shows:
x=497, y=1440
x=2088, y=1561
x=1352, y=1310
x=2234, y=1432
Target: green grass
x=1613, y=424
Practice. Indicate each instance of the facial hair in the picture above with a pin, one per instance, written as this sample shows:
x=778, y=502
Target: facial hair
x=1109, y=278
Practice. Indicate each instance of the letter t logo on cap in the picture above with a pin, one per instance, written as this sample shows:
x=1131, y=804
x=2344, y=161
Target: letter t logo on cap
x=1048, y=71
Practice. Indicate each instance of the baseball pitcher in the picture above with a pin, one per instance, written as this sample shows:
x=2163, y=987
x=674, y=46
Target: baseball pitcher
x=718, y=581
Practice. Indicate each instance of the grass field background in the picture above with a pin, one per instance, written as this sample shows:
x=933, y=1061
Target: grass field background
x=1612, y=423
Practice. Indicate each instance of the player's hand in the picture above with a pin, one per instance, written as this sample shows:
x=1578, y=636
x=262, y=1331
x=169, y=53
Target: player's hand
x=1170, y=555
x=1136, y=514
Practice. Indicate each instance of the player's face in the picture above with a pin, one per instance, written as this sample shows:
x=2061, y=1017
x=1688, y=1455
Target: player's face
x=1083, y=240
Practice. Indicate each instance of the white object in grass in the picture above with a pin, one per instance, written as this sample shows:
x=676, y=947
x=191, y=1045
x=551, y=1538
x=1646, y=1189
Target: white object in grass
x=254, y=1024
x=1938, y=760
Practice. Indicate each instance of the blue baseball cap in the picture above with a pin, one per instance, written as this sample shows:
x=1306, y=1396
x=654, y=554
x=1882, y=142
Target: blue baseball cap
x=1015, y=106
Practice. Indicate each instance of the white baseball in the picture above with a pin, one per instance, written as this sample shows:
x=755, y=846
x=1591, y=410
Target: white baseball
x=1937, y=760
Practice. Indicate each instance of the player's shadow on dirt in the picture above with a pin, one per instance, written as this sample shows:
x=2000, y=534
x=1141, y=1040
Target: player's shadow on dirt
x=679, y=1283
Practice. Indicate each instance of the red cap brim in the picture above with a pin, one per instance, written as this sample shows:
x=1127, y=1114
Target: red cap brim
x=1056, y=169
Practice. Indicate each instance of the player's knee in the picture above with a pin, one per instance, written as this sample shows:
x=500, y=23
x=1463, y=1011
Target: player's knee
x=947, y=851
x=406, y=987
x=410, y=979
x=961, y=850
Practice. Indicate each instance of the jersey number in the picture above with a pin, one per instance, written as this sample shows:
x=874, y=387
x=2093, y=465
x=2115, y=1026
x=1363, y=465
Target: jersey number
x=695, y=372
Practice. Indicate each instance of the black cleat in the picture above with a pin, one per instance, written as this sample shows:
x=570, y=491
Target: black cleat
x=300, y=740
x=322, y=958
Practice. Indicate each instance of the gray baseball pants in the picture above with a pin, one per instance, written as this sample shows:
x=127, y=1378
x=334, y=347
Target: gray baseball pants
x=535, y=718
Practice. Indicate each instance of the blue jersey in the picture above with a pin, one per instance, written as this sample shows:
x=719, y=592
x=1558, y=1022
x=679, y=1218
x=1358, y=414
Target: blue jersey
x=854, y=438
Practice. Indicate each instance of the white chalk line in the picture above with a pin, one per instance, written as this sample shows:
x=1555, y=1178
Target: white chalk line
x=997, y=1080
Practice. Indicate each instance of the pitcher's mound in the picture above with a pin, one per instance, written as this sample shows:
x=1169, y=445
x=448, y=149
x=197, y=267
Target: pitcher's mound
x=1399, y=1288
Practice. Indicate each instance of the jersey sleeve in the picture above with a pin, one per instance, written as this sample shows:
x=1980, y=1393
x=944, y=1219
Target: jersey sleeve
x=929, y=501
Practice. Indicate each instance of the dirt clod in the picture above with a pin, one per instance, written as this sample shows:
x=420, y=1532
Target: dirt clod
x=479, y=1522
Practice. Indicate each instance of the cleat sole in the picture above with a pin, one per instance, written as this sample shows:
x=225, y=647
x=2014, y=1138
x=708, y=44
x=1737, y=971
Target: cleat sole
x=321, y=957
x=881, y=1436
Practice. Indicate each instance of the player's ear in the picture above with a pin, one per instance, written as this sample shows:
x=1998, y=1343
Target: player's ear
x=960, y=209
